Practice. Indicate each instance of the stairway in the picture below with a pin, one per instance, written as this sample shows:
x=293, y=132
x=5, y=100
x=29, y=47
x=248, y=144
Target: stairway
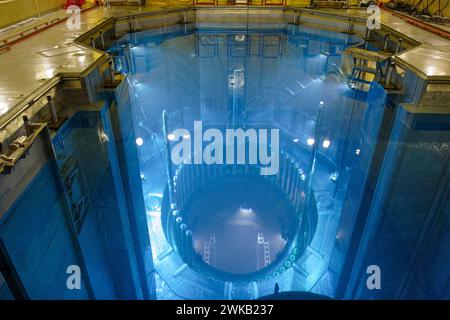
x=367, y=67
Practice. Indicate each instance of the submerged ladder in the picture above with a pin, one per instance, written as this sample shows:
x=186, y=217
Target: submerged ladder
x=266, y=254
x=367, y=66
x=265, y=246
x=207, y=248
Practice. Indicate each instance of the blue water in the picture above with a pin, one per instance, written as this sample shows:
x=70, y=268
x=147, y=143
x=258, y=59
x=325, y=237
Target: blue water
x=101, y=200
x=253, y=78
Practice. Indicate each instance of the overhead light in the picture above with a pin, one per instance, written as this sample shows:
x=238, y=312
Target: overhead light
x=3, y=107
x=239, y=38
x=103, y=136
x=357, y=152
x=310, y=141
x=334, y=176
x=171, y=137
x=326, y=143
x=296, y=140
x=139, y=141
x=246, y=211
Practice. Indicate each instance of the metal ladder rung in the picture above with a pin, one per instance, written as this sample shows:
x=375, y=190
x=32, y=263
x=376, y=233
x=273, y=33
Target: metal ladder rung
x=356, y=79
x=365, y=69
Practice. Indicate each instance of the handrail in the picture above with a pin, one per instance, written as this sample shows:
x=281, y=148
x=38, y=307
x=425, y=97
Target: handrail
x=153, y=13
x=31, y=99
x=21, y=145
x=32, y=30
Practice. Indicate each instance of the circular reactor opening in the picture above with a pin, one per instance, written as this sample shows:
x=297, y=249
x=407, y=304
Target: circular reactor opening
x=240, y=224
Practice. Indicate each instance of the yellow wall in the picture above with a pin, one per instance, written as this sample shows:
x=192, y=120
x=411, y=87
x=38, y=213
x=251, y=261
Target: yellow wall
x=303, y=3
x=435, y=6
x=18, y=10
x=300, y=3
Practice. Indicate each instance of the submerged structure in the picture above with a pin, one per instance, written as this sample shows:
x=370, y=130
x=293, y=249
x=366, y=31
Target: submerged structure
x=218, y=152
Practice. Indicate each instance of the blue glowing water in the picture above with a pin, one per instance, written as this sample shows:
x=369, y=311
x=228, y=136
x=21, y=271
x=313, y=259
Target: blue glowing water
x=233, y=78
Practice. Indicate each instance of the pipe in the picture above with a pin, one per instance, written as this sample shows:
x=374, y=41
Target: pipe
x=386, y=68
x=294, y=192
x=178, y=233
x=92, y=42
x=290, y=177
x=278, y=178
x=386, y=42
x=312, y=161
x=131, y=24
x=172, y=217
x=168, y=157
x=115, y=31
x=112, y=80
x=389, y=74
x=349, y=26
x=298, y=193
x=182, y=243
x=102, y=39
x=53, y=113
x=399, y=46
x=26, y=123
x=190, y=245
